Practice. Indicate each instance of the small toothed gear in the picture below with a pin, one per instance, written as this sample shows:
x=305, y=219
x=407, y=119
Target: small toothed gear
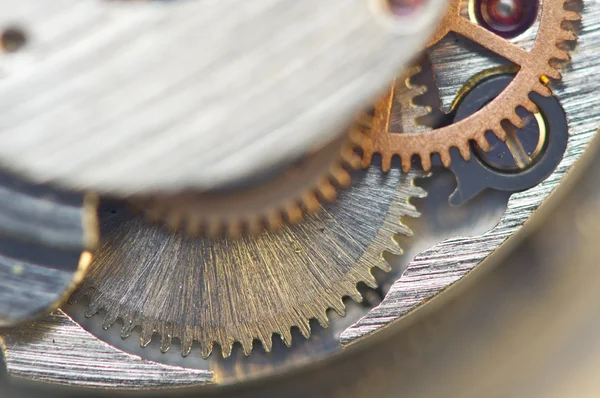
x=284, y=198
x=535, y=67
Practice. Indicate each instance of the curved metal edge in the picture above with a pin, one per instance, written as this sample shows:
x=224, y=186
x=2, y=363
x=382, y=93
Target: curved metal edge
x=91, y=362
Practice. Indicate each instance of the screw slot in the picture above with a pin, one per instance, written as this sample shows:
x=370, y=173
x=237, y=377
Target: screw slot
x=12, y=40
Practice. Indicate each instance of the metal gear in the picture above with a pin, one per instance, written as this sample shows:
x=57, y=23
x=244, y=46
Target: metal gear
x=286, y=197
x=536, y=66
x=226, y=290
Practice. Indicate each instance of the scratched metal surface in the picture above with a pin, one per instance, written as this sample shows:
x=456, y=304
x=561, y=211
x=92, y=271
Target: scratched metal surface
x=246, y=288
x=56, y=350
x=440, y=266
x=371, y=228
x=129, y=96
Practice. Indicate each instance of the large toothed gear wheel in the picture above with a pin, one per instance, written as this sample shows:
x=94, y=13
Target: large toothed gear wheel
x=286, y=197
x=535, y=67
x=240, y=289
x=223, y=290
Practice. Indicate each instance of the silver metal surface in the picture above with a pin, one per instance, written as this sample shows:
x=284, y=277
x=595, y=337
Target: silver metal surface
x=131, y=96
x=440, y=266
x=57, y=350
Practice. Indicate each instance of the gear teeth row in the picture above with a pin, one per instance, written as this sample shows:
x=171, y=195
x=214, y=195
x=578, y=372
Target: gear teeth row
x=105, y=284
x=407, y=91
x=548, y=55
x=151, y=328
x=415, y=111
x=175, y=217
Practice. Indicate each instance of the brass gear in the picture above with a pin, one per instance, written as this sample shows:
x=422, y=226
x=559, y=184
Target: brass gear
x=535, y=67
x=237, y=290
x=287, y=197
x=254, y=286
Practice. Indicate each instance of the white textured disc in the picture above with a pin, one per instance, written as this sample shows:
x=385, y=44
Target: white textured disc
x=130, y=96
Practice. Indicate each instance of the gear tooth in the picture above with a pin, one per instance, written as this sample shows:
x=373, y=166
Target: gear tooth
x=561, y=54
x=322, y=319
x=411, y=72
x=327, y=190
x=355, y=295
x=304, y=327
x=254, y=225
x=154, y=212
x=516, y=120
x=568, y=35
x=420, y=111
x=367, y=158
x=530, y=106
x=266, y=339
x=293, y=212
x=205, y=350
x=357, y=137
x=445, y=158
x=553, y=73
x=425, y=160
x=174, y=221
x=109, y=319
x=235, y=228
x=339, y=307
x=499, y=132
x=369, y=280
x=128, y=326
x=186, y=345
x=465, y=153
x=146, y=336
x=482, y=142
x=571, y=15
x=286, y=337
x=165, y=342
x=92, y=309
x=226, y=348
x=246, y=344
x=274, y=219
x=386, y=162
x=364, y=120
x=193, y=226
x=354, y=162
x=542, y=89
x=310, y=201
x=348, y=155
x=393, y=249
x=77, y=295
x=214, y=228
x=341, y=176
x=419, y=90
x=384, y=265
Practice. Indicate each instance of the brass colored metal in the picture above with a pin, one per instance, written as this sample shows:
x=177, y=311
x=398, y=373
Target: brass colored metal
x=227, y=290
x=269, y=204
x=535, y=67
x=410, y=112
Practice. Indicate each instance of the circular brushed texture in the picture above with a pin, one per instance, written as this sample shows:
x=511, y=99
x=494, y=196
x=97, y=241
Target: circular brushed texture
x=128, y=97
x=228, y=290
